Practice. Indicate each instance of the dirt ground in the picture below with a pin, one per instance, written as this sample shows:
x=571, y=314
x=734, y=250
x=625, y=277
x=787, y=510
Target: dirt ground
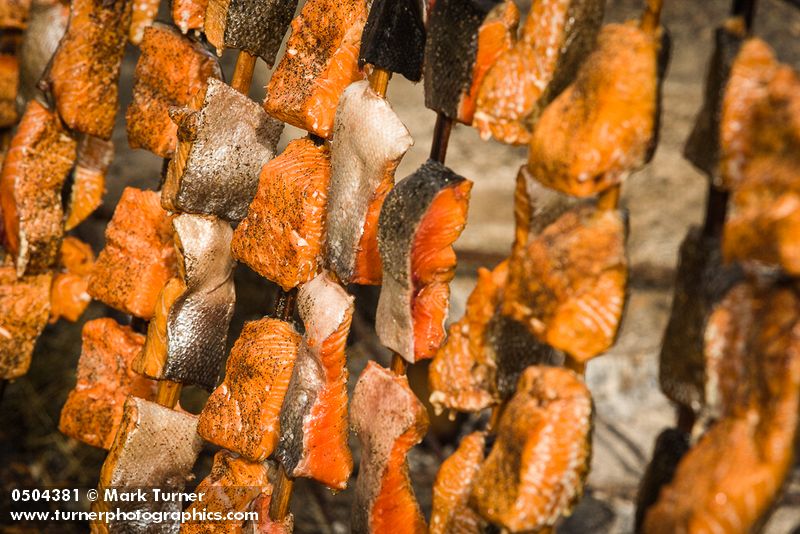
x=663, y=201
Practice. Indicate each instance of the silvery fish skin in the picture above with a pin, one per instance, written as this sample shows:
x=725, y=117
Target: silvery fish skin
x=369, y=142
x=394, y=38
x=154, y=447
x=324, y=306
x=229, y=140
x=451, y=48
x=47, y=22
x=197, y=326
x=256, y=26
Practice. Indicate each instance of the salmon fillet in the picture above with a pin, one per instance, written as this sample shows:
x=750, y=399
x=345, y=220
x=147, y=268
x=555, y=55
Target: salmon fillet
x=231, y=486
x=153, y=356
x=171, y=70
x=14, y=14
x=143, y=14
x=536, y=469
x=84, y=71
x=281, y=237
x=47, y=22
x=760, y=135
x=221, y=150
x=520, y=83
x=93, y=411
x=36, y=165
x=321, y=61
x=9, y=79
x=242, y=414
x=88, y=179
x=451, y=512
x=255, y=26
x=700, y=283
x=394, y=38
x=730, y=479
x=601, y=128
x=189, y=14
x=139, y=256
x=24, y=307
x=569, y=286
x=69, y=294
x=388, y=420
x=421, y=219
x=370, y=142
x=154, y=447
x=314, y=428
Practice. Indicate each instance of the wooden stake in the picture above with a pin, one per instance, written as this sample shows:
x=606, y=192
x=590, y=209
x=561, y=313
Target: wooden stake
x=399, y=364
x=243, y=72
x=576, y=366
x=379, y=80
x=651, y=16
x=747, y=10
x=281, y=496
x=168, y=393
x=609, y=199
x=441, y=137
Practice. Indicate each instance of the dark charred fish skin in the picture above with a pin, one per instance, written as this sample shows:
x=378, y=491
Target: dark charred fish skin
x=255, y=26
x=451, y=48
x=394, y=38
x=702, y=146
x=701, y=282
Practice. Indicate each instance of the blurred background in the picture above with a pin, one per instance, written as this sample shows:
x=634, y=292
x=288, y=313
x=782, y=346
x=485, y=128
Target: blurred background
x=663, y=200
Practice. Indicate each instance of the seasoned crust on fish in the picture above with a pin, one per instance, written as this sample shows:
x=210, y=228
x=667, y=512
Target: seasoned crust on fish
x=24, y=307
x=394, y=38
x=242, y=415
x=14, y=14
x=536, y=469
x=369, y=141
x=388, y=420
x=321, y=60
x=9, y=78
x=420, y=220
x=143, y=15
x=256, y=26
x=221, y=150
x=189, y=14
x=35, y=167
x=139, y=256
x=84, y=71
x=601, y=128
x=314, y=428
x=69, y=294
x=171, y=69
x=93, y=411
x=568, y=287
x=281, y=237
x=451, y=511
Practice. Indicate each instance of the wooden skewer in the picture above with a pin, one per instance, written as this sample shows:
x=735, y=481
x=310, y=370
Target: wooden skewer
x=281, y=495
x=243, y=72
x=651, y=16
x=379, y=80
x=441, y=137
x=168, y=393
x=609, y=199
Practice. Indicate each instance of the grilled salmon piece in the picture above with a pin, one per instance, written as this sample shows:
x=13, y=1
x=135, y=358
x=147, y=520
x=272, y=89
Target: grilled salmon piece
x=760, y=135
x=451, y=512
x=171, y=70
x=189, y=14
x=93, y=411
x=729, y=480
x=47, y=22
x=88, y=179
x=700, y=283
x=601, y=128
x=14, y=14
x=281, y=237
x=139, y=256
x=84, y=71
x=255, y=26
x=155, y=447
x=221, y=150
x=69, y=294
x=35, y=167
x=9, y=79
x=568, y=287
x=525, y=75
x=314, y=431
x=143, y=14
x=153, y=356
x=24, y=307
x=536, y=469
x=388, y=420
x=242, y=415
x=231, y=486
x=394, y=38
x=420, y=220
x=199, y=316
x=321, y=61
x=370, y=142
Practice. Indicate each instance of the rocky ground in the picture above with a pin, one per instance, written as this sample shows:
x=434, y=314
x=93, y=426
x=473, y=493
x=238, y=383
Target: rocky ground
x=663, y=201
